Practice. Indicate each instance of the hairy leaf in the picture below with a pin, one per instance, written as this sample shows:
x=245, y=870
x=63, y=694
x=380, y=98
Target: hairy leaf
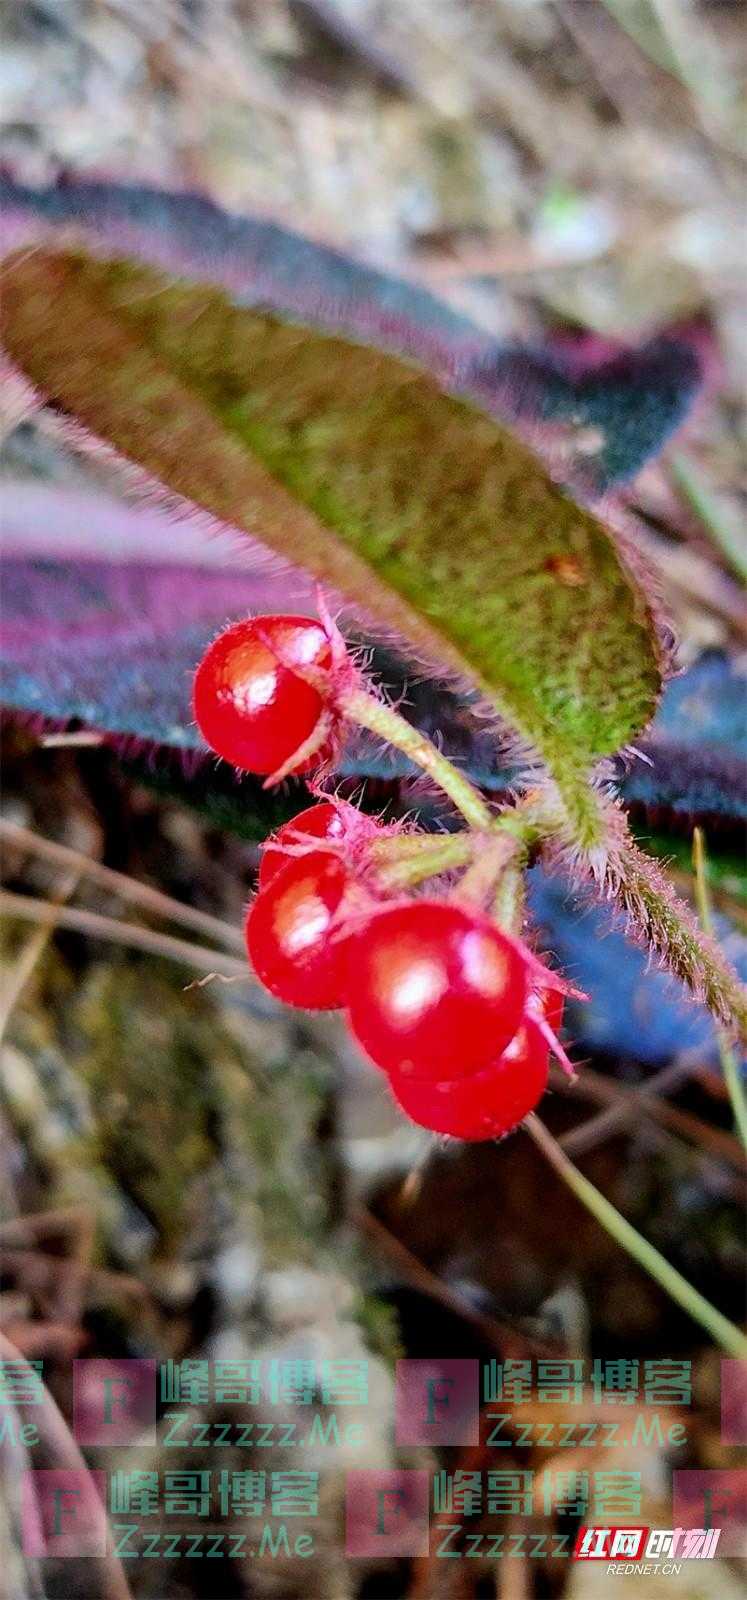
x=613, y=408
x=620, y=405
x=360, y=469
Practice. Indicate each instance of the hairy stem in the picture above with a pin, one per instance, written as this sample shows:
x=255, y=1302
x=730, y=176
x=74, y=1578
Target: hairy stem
x=407, y=859
x=370, y=713
x=729, y=1063
x=508, y=904
x=477, y=885
x=580, y=815
x=669, y=928
x=660, y=921
x=725, y=1333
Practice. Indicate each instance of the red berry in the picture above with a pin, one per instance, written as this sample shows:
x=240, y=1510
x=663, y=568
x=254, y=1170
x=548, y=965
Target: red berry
x=331, y=819
x=253, y=709
x=488, y=1103
x=316, y=822
x=292, y=933
x=437, y=991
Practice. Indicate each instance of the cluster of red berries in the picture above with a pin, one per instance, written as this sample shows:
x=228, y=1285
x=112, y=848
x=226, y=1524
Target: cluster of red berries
x=459, y=1015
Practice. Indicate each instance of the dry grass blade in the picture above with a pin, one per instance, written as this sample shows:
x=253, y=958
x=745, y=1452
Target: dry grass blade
x=58, y=1440
x=723, y=1332
x=733, y=908
x=673, y=36
x=510, y=1341
x=731, y=1066
x=21, y=971
x=604, y=1123
x=703, y=70
x=685, y=571
x=625, y=1108
x=80, y=740
x=718, y=516
x=120, y=884
x=125, y=933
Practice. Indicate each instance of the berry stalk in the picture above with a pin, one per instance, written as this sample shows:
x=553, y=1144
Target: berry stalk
x=367, y=712
x=508, y=902
x=478, y=885
x=404, y=860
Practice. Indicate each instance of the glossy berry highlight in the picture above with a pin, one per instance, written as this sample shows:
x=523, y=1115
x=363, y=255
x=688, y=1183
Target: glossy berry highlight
x=437, y=991
x=293, y=935
x=487, y=1104
x=259, y=693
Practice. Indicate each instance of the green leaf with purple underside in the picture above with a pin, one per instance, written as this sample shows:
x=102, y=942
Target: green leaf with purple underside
x=355, y=465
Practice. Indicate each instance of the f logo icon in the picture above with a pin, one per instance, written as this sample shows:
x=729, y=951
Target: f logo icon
x=63, y=1513
x=438, y=1402
x=386, y=1513
x=114, y=1402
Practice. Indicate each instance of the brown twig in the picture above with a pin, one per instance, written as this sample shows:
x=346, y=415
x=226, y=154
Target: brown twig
x=63, y=1449
x=119, y=884
x=505, y=1338
x=23, y=967
x=125, y=933
x=627, y=1104
x=51, y=1341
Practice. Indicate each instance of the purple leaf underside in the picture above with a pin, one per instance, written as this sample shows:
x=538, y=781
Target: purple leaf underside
x=596, y=412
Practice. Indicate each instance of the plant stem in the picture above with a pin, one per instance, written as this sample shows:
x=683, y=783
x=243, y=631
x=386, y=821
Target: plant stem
x=725, y=1333
x=728, y=1056
x=672, y=932
x=405, y=860
x=380, y=719
x=477, y=885
x=508, y=906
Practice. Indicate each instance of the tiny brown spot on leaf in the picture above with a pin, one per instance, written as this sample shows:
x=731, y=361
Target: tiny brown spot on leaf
x=568, y=570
